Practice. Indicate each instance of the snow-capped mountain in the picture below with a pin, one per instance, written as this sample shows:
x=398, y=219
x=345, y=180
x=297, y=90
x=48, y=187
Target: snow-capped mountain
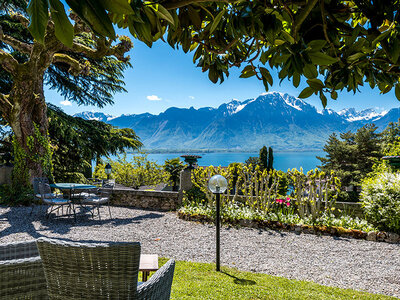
x=274, y=119
x=98, y=116
x=351, y=115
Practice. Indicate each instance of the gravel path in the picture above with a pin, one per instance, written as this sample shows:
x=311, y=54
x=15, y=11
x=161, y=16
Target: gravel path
x=341, y=262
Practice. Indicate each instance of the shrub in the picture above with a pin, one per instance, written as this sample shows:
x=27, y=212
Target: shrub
x=135, y=173
x=173, y=167
x=380, y=198
x=15, y=195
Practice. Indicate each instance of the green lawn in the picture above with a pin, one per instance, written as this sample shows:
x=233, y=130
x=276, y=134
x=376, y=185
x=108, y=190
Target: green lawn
x=201, y=281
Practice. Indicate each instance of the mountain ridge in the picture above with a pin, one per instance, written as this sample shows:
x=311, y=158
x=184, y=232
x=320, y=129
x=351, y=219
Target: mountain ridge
x=274, y=119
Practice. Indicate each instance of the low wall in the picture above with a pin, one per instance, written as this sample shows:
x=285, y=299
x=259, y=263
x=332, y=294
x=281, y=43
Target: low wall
x=146, y=199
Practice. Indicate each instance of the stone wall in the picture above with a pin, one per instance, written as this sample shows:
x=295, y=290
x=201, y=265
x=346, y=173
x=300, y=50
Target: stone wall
x=160, y=200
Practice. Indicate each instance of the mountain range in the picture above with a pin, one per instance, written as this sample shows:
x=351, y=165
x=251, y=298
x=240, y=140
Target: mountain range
x=273, y=119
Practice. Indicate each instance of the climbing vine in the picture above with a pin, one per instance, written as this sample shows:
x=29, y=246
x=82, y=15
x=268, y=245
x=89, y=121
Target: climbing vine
x=21, y=157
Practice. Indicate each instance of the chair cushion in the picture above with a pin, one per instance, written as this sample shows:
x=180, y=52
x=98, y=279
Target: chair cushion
x=56, y=201
x=95, y=200
x=52, y=195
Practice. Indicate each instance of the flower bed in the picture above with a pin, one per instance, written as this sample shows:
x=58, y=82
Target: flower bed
x=247, y=218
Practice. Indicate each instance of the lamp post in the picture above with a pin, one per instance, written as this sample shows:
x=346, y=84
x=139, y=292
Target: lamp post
x=217, y=185
x=107, y=169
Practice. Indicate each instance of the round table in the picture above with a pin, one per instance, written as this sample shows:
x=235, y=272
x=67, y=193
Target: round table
x=73, y=186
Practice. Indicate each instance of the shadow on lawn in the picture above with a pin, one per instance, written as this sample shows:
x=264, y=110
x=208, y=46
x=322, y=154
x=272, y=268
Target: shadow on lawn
x=240, y=281
x=19, y=220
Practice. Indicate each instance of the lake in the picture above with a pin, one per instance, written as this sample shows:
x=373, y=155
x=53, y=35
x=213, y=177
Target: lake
x=282, y=160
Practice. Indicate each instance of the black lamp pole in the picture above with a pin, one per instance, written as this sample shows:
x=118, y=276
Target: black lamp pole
x=217, y=223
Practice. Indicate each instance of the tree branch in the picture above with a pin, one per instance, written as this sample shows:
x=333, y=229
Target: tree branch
x=16, y=44
x=303, y=15
x=20, y=18
x=5, y=104
x=103, y=48
x=8, y=62
x=75, y=68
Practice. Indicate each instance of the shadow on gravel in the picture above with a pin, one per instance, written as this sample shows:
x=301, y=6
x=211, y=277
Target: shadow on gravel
x=240, y=281
x=19, y=219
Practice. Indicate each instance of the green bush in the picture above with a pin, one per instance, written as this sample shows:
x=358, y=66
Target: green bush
x=15, y=195
x=135, y=173
x=380, y=198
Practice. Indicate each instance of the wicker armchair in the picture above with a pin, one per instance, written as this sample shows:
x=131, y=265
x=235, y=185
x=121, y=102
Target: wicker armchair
x=21, y=272
x=100, y=271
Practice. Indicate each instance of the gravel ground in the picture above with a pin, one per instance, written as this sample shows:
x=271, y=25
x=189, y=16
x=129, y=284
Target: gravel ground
x=340, y=262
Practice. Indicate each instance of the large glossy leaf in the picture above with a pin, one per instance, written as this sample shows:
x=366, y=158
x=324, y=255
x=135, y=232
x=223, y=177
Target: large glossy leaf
x=307, y=92
x=163, y=13
x=38, y=11
x=397, y=91
x=63, y=27
x=117, y=6
x=94, y=14
x=322, y=59
x=216, y=21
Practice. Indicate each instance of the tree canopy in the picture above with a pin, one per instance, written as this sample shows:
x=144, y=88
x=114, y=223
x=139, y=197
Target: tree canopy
x=333, y=45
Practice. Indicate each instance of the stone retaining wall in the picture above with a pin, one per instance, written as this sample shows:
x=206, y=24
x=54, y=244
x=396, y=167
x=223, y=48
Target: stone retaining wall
x=161, y=200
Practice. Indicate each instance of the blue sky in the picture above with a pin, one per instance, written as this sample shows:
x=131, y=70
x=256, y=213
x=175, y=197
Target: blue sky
x=162, y=77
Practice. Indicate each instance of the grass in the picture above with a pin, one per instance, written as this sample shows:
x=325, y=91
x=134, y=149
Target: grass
x=201, y=281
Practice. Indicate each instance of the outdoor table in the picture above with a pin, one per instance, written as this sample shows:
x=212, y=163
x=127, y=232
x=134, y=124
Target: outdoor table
x=72, y=186
x=148, y=263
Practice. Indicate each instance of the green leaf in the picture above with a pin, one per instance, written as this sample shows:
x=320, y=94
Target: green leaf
x=355, y=56
x=38, y=11
x=163, y=13
x=397, y=91
x=334, y=95
x=324, y=101
x=287, y=37
x=63, y=27
x=266, y=75
x=93, y=13
x=307, y=92
x=316, y=84
x=321, y=59
x=296, y=79
x=310, y=71
x=117, y=6
x=216, y=21
x=316, y=45
x=247, y=72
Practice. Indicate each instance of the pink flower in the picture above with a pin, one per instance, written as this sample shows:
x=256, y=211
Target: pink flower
x=279, y=201
x=287, y=199
x=287, y=204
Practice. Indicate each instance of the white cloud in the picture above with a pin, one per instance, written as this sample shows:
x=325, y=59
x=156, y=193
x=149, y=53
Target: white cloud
x=153, y=98
x=191, y=97
x=66, y=103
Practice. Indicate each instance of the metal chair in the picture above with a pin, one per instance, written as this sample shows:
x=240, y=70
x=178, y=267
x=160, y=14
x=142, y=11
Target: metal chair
x=101, y=198
x=100, y=271
x=36, y=192
x=55, y=201
x=21, y=272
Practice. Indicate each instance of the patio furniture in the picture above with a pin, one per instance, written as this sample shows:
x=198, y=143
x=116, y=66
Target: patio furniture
x=21, y=272
x=148, y=263
x=56, y=202
x=100, y=271
x=36, y=192
x=102, y=197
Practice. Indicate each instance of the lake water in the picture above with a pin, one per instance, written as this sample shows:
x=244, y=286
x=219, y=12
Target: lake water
x=282, y=160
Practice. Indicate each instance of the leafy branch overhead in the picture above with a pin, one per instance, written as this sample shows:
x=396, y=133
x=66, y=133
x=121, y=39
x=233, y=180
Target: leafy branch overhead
x=333, y=45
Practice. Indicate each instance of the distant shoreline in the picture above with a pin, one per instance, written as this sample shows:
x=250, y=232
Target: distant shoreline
x=189, y=151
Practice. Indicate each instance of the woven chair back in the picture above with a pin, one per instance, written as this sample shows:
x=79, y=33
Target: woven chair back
x=90, y=271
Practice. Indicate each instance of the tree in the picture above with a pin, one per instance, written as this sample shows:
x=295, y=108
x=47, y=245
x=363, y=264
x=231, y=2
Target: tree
x=333, y=44
x=77, y=142
x=270, y=165
x=85, y=68
x=263, y=158
x=353, y=155
x=174, y=167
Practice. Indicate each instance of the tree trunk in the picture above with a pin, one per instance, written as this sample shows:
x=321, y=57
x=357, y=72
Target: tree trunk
x=28, y=120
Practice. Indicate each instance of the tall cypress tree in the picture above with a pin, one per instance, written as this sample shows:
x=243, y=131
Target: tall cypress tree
x=263, y=160
x=270, y=159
